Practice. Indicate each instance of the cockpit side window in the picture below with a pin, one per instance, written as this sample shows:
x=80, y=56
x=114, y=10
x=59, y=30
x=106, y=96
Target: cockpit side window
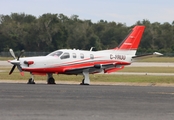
x=65, y=56
x=56, y=53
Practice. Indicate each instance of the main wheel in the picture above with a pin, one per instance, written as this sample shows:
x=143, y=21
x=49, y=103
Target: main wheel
x=83, y=83
x=51, y=80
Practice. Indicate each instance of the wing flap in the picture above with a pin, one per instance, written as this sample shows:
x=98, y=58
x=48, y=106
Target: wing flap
x=113, y=69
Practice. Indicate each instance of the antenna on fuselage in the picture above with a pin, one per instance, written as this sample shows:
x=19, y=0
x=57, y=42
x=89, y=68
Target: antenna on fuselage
x=91, y=48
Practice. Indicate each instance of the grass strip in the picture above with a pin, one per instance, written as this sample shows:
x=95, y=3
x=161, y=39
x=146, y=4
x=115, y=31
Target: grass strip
x=94, y=78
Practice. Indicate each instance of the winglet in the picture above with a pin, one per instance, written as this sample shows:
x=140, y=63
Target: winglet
x=157, y=53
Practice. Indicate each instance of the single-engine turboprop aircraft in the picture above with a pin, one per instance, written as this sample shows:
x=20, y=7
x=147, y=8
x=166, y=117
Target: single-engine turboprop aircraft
x=74, y=62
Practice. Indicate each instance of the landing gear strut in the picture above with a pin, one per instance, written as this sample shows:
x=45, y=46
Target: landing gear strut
x=50, y=79
x=86, y=80
x=31, y=80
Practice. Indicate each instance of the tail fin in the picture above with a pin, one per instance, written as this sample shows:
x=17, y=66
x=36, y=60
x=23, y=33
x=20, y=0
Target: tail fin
x=131, y=42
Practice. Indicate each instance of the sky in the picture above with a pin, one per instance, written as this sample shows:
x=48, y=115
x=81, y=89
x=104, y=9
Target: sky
x=123, y=11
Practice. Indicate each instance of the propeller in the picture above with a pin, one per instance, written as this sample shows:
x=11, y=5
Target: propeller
x=16, y=62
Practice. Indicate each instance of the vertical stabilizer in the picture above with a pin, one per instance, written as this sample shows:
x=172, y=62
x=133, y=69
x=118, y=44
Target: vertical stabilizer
x=131, y=42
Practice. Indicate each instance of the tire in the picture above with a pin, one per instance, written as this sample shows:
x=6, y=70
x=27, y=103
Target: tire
x=51, y=81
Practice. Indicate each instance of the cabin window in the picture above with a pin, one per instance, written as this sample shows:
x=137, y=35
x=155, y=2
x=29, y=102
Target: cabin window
x=91, y=56
x=74, y=55
x=65, y=56
x=81, y=55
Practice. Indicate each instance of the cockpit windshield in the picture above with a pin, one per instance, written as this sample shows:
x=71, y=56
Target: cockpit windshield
x=55, y=53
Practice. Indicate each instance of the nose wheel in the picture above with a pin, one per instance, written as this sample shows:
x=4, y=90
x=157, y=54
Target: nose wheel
x=31, y=80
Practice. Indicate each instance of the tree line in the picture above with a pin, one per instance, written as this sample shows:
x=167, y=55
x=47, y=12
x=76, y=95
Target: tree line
x=50, y=32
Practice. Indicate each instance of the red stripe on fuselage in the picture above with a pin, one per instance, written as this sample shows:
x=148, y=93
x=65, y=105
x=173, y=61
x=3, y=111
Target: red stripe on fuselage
x=72, y=65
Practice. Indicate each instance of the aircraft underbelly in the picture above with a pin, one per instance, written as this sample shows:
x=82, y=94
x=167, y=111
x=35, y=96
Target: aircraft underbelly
x=80, y=71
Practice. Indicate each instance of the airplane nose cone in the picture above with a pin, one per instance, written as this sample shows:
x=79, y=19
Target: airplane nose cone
x=14, y=62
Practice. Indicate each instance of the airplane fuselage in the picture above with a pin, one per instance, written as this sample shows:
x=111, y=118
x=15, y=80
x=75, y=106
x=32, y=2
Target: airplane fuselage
x=75, y=59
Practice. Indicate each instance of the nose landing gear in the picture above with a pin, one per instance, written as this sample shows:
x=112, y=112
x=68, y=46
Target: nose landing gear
x=31, y=80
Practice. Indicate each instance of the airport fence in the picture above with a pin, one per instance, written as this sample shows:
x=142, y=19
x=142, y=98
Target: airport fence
x=27, y=54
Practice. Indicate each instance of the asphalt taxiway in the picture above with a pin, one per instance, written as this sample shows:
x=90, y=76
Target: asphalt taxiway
x=19, y=101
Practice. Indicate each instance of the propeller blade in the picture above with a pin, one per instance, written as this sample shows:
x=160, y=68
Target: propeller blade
x=12, y=69
x=22, y=51
x=20, y=69
x=22, y=73
x=16, y=62
x=12, y=53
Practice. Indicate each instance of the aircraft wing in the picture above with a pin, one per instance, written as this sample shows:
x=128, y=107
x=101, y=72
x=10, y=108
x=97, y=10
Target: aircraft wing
x=106, y=68
x=139, y=57
x=92, y=69
x=69, y=70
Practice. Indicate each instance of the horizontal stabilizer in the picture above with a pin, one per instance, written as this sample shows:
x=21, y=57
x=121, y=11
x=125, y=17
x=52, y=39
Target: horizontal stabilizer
x=139, y=57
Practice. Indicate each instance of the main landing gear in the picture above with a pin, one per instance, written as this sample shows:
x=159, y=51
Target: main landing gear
x=86, y=80
x=50, y=79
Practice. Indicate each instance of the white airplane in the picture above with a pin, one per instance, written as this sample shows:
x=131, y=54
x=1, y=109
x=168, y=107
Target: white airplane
x=74, y=62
